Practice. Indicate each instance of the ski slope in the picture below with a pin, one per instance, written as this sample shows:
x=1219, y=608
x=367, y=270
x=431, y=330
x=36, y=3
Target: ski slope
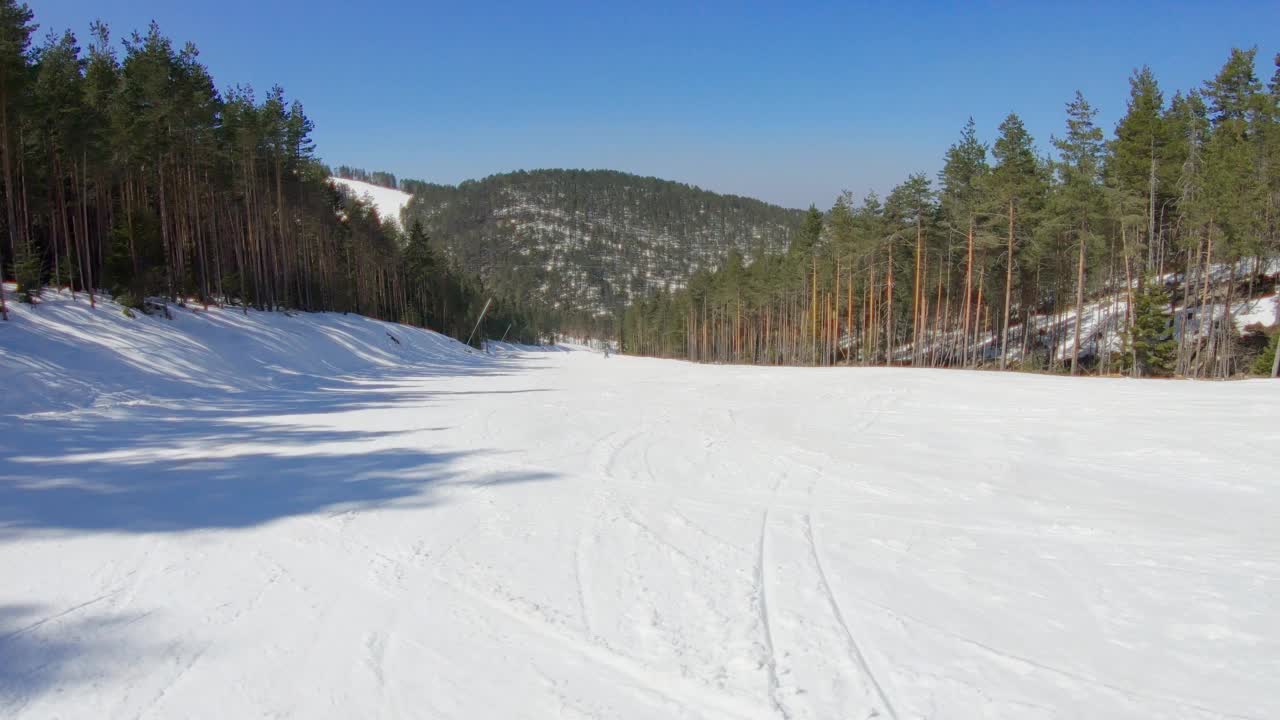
x=389, y=202
x=262, y=515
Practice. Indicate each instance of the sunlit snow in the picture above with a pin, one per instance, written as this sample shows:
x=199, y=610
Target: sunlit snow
x=387, y=201
x=323, y=516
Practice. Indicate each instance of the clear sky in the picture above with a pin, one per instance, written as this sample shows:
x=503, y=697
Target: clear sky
x=788, y=102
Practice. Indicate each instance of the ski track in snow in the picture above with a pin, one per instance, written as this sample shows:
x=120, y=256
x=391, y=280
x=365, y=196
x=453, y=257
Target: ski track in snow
x=834, y=604
x=270, y=515
x=771, y=658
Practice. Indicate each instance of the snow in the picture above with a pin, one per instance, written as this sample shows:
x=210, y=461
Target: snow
x=1259, y=311
x=231, y=515
x=388, y=202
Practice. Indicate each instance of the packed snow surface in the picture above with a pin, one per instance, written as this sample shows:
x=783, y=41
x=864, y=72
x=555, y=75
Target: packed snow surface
x=387, y=201
x=323, y=516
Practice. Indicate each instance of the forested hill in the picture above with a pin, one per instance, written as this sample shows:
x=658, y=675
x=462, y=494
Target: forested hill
x=591, y=240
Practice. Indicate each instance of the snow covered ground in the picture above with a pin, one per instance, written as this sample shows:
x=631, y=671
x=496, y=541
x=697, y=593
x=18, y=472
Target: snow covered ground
x=388, y=202
x=230, y=515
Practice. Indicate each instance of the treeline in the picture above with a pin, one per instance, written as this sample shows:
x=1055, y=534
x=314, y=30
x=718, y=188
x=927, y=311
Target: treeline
x=132, y=173
x=997, y=261
x=377, y=177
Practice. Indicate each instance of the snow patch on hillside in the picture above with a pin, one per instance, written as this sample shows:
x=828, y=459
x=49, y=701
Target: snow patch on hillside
x=388, y=202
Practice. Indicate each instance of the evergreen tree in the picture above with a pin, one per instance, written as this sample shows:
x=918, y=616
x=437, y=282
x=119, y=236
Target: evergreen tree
x=1018, y=193
x=1141, y=137
x=907, y=209
x=1080, y=193
x=1154, y=350
x=1265, y=363
x=810, y=232
x=964, y=178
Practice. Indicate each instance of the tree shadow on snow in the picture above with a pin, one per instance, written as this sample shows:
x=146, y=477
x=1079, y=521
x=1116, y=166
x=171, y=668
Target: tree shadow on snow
x=230, y=462
x=43, y=650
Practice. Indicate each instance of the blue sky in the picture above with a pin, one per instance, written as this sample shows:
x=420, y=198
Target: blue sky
x=780, y=101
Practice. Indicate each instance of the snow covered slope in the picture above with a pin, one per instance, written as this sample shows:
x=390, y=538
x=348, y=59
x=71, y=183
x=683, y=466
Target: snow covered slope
x=230, y=516
x=387, y=201
x=64, y=355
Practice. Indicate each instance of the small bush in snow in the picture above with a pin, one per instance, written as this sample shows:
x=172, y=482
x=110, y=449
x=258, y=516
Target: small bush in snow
x=1265, y=360
x=129, y=300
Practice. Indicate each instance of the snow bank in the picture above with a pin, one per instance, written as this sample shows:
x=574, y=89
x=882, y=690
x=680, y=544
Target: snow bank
x=388, y=202
x=61, y=354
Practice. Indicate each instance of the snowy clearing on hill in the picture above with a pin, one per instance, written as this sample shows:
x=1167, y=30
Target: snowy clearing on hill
x=324, y=516
x=387, y=201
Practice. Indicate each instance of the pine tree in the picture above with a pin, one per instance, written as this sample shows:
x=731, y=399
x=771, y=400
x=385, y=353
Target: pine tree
x=1018, y=191
x=1141, y=137
x=1154, y=350
x=906, y=210
x=964, y=179
x=1079, y=170
x=28, y=270
x=1235, y=192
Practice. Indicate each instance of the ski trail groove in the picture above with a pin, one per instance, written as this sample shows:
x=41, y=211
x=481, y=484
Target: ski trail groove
x=854, y=648
x=771, y=661
x=1087, y=680
x=676, y=690
x=28, y=628
x=580, y=570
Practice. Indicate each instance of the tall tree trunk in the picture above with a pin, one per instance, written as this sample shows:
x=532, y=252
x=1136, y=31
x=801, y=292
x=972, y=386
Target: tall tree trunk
x=6, y=153
x=1128, y=313
x=1204, y=296
x=1075, y=345
x=813, y=312
x=1151, y=206
x=915, y=293
x=968, y=292
x=1008, y=293
x=977, y=320
x=888, y=316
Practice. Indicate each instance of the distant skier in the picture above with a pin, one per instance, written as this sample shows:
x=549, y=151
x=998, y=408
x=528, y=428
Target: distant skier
x=606, y=352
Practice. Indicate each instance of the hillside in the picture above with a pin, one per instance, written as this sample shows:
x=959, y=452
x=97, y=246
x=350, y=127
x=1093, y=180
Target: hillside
x=319, y=515
x=591, y=240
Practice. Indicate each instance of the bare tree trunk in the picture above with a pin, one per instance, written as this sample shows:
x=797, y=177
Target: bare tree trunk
x=849, y=320
x=1151, y=207
x=968, y=298
x=888, y=316
x=915, y=295
x=1008, y=293
x=1228, y=324
x=1128, y=315
x=6, y=151
x=813, y=311
x=1075, y=347
x=1275, y=362
x=939, y=322
x=835, y=325
x=977, y=320
x=86, y=264
x=1204, y=296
